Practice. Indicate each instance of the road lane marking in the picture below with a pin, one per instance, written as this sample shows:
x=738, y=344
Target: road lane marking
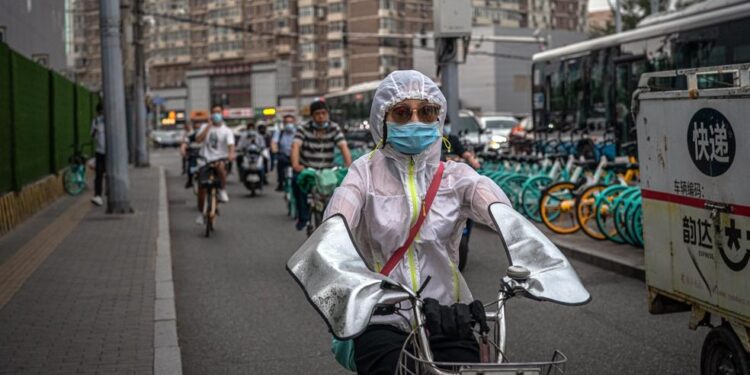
x=20, y=266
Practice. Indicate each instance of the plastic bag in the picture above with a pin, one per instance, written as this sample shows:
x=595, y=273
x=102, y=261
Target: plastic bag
x=344, y=353
x=326, y=181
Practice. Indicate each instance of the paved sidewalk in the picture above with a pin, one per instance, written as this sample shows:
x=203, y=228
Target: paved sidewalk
x=624, y=259
x=81, y=287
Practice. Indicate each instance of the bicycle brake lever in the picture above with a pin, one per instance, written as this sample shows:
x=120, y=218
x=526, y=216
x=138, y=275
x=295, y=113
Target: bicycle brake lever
x=424, y=285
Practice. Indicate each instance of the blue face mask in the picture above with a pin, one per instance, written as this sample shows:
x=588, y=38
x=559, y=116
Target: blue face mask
x=320, y=126
x=217, y=118
x=412, y=138
x=289, y=128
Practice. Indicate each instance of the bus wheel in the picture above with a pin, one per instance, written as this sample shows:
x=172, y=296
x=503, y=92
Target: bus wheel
x=723, y=353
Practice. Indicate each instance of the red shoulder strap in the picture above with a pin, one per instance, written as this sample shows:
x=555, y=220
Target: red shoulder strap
x=431, y=193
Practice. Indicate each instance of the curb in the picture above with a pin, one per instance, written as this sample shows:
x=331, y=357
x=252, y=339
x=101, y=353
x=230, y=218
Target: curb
x=167, y=355
x=600, y=260
x=604, y=255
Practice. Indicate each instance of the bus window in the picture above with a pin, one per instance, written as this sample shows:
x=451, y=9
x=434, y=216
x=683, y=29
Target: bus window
x=626, y=81
x=660, y=56
x=598, y=89
x=573, y=87
x=556, y=93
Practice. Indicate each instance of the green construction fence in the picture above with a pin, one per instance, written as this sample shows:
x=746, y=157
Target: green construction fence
x=44, y=117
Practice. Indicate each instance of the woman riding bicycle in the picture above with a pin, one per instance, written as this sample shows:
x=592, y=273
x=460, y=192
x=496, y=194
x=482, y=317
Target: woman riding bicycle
x=382, y=197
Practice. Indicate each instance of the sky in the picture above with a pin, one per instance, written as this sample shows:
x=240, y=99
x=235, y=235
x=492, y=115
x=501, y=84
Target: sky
x=598, y=5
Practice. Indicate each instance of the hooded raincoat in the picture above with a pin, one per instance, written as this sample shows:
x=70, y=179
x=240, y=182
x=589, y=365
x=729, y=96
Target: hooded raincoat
x=383, y=191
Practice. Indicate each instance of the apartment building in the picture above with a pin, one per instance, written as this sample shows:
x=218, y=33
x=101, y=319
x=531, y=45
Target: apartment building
x=504, y=13
x=557, y=14
x=245, y=53
x=371, y=57
x=85, y=47
x=87, y=58
x=227, y=51
x=169, y=43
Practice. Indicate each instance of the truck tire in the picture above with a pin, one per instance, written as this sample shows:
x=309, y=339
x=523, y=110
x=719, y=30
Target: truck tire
x=723, y=353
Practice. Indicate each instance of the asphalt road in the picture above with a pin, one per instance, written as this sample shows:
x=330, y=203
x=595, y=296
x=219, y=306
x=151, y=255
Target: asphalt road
x=239, y=312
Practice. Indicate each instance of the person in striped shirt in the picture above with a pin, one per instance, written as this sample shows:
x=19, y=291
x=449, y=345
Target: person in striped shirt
x=313, y=147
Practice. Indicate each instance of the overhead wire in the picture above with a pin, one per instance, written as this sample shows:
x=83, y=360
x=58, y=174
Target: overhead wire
x=349, y=40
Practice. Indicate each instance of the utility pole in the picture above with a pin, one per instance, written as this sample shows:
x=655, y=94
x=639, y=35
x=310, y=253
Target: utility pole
x=139, y=99
x=118, y=183
x=448, y=62
x=654, y=6
x=618, y=17
x=451, y=22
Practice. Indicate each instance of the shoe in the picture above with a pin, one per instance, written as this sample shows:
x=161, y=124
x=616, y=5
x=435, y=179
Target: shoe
x=97, y=200
x=199, y=220
x=189, y=184
x=301, y=225
x=223, y=196
x=279, y=188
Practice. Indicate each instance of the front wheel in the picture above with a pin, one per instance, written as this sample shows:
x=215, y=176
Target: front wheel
x=557, y=208
x=586, y=211
x=210, y=211
x=74, y=179
x=723, y=353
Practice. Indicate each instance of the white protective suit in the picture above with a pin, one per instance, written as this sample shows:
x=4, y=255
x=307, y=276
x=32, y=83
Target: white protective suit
x=383, y=191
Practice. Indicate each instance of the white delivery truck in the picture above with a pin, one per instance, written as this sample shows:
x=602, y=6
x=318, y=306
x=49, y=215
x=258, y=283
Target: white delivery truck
x=694, y=155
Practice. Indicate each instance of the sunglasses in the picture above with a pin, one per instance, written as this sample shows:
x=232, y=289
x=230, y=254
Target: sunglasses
x=427, y=113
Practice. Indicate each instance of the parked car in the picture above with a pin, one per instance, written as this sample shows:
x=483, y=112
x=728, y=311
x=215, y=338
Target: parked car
x=168, y=136
x=496, y=129
x=468, y=129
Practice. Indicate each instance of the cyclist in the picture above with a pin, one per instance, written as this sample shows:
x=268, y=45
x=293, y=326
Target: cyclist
x=189, y=148
x=218, y=144
x=380, y=199
x=313, y=147
x=456, y=149
x=251, y=136
x=281, y=146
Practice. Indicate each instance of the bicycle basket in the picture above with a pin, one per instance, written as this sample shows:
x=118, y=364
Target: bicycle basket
x=411, y=364
x=326, y=181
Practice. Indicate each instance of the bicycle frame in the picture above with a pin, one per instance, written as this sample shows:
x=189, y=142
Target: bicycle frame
x=423, y=358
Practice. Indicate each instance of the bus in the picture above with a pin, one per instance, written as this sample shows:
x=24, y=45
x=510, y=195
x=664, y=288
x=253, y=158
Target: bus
x=589, y=85
x=351, y=108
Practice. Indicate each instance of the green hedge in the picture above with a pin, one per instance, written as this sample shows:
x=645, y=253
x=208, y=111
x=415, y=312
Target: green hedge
x=83, y=116
x=63, y=120
x=31, y=117
x=41, y=115
x=6, y=135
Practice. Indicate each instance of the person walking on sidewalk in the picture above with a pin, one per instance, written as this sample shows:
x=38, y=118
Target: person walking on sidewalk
x=218, y=144
x=281, y=146
x=313, y=147
x=97, y=133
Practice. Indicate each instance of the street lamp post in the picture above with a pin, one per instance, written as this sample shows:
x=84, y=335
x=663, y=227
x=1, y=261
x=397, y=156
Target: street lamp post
x=141, y=143
x=118, y=183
